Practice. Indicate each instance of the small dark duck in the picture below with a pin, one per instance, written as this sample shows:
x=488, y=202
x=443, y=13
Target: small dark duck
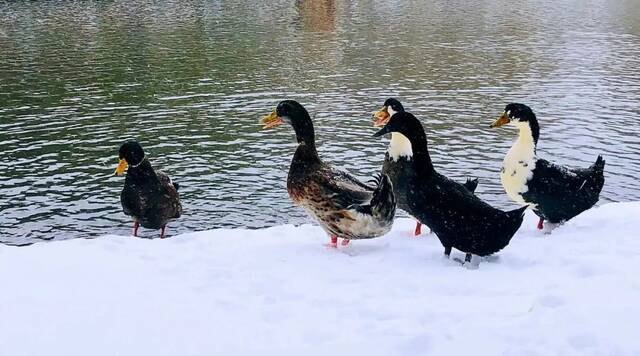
x=343, y=206
x=555, y=193
x=398, y=160
x=458, y=217
x=149, y=196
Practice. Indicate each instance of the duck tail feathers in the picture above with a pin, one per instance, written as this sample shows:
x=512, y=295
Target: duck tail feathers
x=382, y=205
x=511, y=224
x=383, y=202
x=471, y=184
x=517, y=214
x=598, y=166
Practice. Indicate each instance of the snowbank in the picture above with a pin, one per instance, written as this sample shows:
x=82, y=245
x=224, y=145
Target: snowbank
x=278, y=291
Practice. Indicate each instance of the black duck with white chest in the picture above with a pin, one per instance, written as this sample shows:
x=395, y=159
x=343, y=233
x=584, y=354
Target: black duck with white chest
x=343, y=206
x=149, y=196
x=458, y=217
x=399, y=157
x=556, y=193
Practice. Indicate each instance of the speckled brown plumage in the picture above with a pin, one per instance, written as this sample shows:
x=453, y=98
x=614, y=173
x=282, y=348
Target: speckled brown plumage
x=343, y=206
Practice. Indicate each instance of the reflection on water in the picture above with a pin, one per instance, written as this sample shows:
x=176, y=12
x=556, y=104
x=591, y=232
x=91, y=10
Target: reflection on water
x=189, y=79
x=316, y=15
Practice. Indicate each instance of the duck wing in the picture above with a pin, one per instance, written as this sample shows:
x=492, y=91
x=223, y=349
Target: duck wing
x=446, y=205
x=171, y=204
x=452, y=187
x=348, y=208
x=342, y=188
x=130, y=198
x=461, y=219
x=560, y=193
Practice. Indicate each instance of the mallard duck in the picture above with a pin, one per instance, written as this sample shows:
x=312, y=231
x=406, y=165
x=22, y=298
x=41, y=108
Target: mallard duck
x=149, y=196
x=556, y=193
x=343, y=206
x=458, y=217
x=398, y=159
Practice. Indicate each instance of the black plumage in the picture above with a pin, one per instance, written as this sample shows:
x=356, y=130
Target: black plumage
x=343, y=206
x=458, y=217
x=560, y=193
x=399, y=164
x=555, y=192
x=149, y=196
x=400, y=172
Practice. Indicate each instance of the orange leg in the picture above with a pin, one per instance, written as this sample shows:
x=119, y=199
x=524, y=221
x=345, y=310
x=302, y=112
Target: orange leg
x=162, y=232
x=136, y=225
x=345, y=242
x=418, y=231
x=334, y=242
x=541, y=224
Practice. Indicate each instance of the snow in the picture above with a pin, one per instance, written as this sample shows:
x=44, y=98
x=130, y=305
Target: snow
x=278, y=291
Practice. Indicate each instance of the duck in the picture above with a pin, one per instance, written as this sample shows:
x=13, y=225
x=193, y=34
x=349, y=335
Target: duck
x=149, y=196
x=398, y=158
x=556, y=193
x=343, y=206
x=458, y=217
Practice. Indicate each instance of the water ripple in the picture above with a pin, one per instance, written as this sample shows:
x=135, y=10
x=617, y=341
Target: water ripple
x=190, y=79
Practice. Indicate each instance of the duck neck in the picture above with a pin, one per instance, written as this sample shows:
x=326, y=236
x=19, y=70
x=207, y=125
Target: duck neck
x=305, y=132
x=528, y=137
x=141, y=171
x=306, y=154
x=421, y=157
x=400, y=146
x=305, y=135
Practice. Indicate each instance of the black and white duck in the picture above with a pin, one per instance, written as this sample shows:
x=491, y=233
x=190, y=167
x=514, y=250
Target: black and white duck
x=555, y=193
x=149, y=196
x=398, y=159
x=343, y=206
x=458, y=217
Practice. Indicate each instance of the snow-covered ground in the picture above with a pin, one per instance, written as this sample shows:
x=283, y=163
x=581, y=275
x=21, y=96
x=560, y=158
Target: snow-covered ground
x=278, y=291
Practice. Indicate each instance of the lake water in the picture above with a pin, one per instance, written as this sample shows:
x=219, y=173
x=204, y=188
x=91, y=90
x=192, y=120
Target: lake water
x=190, y=79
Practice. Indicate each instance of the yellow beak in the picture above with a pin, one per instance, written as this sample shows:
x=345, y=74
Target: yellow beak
x=271, y=120
x=502, y=120
x=381, y=117
x=122, y=165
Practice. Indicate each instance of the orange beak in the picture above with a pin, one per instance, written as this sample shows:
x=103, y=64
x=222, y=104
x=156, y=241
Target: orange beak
x=271, y=120
x=502, y=120
x=122, y=166
x=381, y=117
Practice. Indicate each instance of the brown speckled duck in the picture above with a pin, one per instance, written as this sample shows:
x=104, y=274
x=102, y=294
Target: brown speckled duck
x=343, y=206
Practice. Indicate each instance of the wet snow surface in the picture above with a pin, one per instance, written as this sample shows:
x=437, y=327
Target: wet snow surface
x=278, y=291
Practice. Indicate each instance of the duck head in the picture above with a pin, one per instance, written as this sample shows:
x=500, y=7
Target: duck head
x=399, y=146
x=294, y=114
x=408, y=127
x=405, y=124
x=130, y=154
x=522, y=117
x=390, y=107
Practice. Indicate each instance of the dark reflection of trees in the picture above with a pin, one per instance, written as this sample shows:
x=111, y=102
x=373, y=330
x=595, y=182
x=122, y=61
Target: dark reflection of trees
x=316, y=15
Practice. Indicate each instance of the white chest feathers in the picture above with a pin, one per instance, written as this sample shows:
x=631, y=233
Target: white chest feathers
x=518, y=165
x=400, y=146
